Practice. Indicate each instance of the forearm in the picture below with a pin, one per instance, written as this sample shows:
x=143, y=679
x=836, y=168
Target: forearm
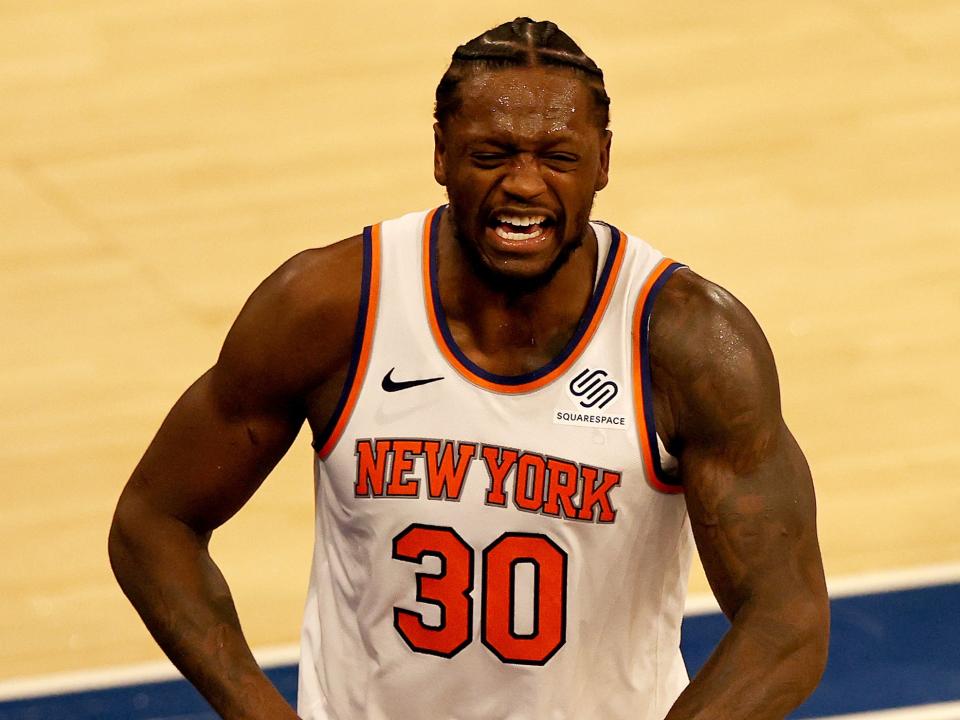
x=762, y=669
x=166, y=572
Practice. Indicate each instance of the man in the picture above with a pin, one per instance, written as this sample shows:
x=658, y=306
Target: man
x=507, y=402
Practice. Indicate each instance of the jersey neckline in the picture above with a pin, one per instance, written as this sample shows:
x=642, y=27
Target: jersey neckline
x=534, y=379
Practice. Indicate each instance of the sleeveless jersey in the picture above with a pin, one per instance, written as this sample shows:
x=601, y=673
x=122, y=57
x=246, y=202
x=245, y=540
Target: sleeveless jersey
x=494, y=547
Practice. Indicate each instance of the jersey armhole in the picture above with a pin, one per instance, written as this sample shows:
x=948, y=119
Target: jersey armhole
x=362, y=342
x=659, y=479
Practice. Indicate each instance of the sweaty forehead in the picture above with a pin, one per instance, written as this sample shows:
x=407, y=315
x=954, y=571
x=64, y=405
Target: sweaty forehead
x=524, y=101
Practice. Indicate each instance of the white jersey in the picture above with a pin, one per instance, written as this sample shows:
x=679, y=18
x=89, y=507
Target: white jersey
x=493, y=547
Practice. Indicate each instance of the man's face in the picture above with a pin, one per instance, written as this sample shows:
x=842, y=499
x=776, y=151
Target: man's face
x=521, y=161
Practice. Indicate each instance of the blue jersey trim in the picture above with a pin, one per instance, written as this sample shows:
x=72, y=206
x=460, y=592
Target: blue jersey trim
x=358, y=336
x=645, y=374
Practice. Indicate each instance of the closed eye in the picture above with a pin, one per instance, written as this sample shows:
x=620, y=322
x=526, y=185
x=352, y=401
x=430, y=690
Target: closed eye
x=561, y=161
x=488, y=159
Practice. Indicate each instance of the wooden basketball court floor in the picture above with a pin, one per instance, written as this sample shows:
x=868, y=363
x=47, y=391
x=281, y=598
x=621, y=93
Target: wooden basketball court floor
x=158, y=159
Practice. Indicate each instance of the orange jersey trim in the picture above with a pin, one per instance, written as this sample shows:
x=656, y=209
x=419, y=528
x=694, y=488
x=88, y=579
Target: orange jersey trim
x=538, y=378
x=366, y=324
x=642, y=385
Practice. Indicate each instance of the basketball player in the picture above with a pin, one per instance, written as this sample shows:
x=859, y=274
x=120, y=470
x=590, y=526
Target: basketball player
x=519, y=416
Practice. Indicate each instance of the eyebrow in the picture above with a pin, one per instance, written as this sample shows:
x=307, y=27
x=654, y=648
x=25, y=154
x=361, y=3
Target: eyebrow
x=501, y=141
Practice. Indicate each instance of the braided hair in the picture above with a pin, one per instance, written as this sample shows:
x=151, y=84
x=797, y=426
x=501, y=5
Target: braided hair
x=520, y=43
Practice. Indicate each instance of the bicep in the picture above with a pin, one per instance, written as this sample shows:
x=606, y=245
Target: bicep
x=755, y=526
x=749, y=493
x=230, y=428
x=211, y=454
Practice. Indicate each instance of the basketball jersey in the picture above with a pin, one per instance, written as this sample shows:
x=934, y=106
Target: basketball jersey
x=494, y=547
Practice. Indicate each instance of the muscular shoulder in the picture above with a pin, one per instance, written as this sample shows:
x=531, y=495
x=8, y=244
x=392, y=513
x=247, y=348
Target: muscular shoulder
x=315, y=289
x=714, y=375
x=296, y=328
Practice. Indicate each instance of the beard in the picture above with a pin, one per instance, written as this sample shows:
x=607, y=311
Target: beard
x=511, y=283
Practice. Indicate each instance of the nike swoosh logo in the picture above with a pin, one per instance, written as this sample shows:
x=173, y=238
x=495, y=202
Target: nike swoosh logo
x=391, y=385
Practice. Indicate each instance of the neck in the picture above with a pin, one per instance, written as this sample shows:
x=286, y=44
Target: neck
x=511, y=326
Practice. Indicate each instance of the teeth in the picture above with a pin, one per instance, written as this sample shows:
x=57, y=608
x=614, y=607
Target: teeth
x=537, y=232
x=521, y=221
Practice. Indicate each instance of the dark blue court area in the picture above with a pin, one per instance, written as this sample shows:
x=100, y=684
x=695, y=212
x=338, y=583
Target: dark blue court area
x=889, y=650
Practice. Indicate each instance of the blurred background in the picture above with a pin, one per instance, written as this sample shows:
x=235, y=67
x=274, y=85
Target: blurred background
x=157, y=160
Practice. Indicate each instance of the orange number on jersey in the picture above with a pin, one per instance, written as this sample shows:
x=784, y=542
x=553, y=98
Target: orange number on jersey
x=500, y=561
x=449, y=590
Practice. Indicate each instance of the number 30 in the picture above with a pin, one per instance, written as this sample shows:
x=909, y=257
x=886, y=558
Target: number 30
x=451, y=589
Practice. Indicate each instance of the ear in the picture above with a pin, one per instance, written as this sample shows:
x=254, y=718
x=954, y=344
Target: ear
x=603, y=174
x=439, y=151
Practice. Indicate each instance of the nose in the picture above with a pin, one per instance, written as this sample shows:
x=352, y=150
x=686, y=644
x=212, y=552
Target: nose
x=523, y=180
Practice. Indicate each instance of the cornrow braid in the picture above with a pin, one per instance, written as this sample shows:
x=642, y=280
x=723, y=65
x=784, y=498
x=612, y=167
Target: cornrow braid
x=520, y=43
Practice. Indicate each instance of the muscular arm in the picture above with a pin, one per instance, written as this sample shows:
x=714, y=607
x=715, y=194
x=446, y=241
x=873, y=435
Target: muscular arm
x=750, y=500
x=212, y=452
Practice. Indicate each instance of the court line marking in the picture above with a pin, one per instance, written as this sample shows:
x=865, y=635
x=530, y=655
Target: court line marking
x=159, y=671
x=863, y=584
x=268, y=657
x=937, y=711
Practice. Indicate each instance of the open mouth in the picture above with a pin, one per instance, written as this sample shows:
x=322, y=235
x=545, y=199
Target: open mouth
x=515, y=227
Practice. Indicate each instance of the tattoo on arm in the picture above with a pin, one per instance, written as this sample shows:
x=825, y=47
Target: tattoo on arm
x=750, y=500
